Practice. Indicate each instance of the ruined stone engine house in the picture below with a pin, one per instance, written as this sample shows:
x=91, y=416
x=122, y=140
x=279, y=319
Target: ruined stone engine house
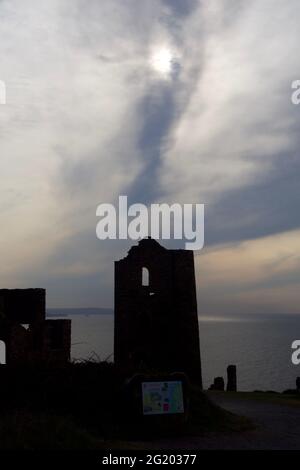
x=30, y=338
x=156, y=322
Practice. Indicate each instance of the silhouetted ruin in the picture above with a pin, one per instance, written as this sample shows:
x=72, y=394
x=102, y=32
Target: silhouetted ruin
x=218, y=384
x=231, y=379
x=28, y=336
x=156, y=322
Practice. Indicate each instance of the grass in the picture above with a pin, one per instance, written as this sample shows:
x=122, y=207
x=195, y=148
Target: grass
x=24, y=430
x=290, y=399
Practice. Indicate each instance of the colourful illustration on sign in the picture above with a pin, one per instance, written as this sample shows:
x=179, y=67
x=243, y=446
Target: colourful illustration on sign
x=162, y=397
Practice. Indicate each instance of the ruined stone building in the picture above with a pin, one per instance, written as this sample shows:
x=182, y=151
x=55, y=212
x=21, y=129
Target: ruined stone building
x=156, y=322
x=28, y=336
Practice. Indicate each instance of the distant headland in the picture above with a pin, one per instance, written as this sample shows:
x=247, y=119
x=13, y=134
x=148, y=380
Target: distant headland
x=65, y=312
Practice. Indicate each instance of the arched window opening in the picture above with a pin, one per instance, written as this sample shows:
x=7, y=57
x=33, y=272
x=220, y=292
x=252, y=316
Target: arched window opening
x=145, y=277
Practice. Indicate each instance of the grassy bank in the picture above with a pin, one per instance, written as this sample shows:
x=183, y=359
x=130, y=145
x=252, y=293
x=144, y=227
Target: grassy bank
x=82, y=406
x=290, y=398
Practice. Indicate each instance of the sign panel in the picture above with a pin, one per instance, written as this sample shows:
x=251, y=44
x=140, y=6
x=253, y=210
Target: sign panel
x=162, y=397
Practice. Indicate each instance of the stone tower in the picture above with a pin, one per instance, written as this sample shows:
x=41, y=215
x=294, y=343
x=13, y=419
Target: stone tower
x=156, y=322
x=29, y=337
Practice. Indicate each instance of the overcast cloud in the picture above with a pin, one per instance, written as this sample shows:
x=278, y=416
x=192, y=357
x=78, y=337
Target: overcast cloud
x=88, y=117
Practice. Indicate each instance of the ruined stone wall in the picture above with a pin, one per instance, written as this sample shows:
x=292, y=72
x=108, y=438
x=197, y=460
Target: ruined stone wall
x=57, y=341
x=156, y=326
x=23, y=305
x=28, y=336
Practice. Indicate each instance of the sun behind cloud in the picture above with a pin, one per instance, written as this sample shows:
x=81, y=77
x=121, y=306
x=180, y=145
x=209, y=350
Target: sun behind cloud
x=162, y=61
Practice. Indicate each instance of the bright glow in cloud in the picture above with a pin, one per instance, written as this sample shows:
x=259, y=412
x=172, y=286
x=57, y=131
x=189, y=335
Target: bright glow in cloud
x=161, y=61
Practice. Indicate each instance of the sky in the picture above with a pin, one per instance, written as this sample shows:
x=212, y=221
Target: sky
x=163, y=101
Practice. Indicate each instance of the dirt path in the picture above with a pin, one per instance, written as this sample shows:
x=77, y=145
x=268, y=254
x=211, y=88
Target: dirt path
x=277, y=427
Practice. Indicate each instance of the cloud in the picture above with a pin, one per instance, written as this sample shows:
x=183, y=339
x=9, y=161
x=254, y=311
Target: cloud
x=238, y=115
x=251, y=276
x=69, y=129
x=87, y=119
x=75, y=132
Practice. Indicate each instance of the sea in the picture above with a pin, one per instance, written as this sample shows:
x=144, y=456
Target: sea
x=259, y=345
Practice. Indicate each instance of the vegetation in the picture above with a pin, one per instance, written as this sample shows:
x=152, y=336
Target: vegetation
x=82, y=406
x=289, y=397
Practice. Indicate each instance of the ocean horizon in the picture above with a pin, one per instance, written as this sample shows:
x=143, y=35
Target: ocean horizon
x=259, y=345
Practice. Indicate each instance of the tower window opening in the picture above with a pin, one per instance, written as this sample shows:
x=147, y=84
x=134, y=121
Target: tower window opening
x=145, y=277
